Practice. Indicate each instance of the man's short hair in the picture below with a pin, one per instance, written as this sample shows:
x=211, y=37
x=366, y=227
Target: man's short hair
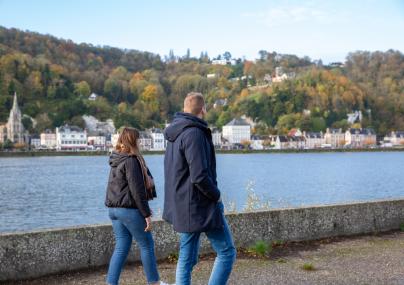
x=194, y=103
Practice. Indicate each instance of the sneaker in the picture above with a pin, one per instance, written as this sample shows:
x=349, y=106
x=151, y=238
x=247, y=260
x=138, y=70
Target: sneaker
x=164, y=283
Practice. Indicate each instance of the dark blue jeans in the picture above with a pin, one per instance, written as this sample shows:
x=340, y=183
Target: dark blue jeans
x=221, y=241
x=129, y=224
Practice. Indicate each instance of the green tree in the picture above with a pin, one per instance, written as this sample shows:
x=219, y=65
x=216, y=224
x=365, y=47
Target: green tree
x=8, y=144
x=27, y=123
x=82, y=88
x=318, y=124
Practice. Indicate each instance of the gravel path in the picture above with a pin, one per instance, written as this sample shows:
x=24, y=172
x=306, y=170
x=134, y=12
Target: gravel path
x=376, y=259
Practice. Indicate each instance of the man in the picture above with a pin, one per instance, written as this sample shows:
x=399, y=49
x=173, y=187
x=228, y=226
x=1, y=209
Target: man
x=192, y=200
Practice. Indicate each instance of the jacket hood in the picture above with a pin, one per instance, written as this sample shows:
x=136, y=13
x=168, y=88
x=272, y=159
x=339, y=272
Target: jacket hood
x=181, y=122
x=117, y=158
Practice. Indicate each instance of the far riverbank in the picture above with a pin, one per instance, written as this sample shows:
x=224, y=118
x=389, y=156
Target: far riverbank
x=101, y=153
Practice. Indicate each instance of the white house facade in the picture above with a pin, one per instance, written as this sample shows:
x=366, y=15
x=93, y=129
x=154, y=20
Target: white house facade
x=48, y=140
x=257, y=142
x=217, y=138
x=145, y=141
x=281, y=142
x=35, y=142
x=314, y=139
x=97, y=142
x=158, y=142
x=334, y=137
x=237, y=131
x=395, y=138
x=71, y=138
x=93, y=97
x=357, y=138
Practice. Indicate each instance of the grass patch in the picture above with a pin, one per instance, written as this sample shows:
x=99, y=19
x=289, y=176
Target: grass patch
x=260, y=249
x=308, y=267
x=172, y=257
x=402, y=227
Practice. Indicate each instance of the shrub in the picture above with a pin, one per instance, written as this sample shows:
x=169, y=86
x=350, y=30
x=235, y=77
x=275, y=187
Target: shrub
x=260, y=248
x=173, y=257
x=308, y=267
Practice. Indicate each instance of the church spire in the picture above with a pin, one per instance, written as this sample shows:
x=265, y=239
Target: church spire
x=15, y=102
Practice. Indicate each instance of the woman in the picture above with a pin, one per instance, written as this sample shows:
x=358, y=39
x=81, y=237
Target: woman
x=127, y=199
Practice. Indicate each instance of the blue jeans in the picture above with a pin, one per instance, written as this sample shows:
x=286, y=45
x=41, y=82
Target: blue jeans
x=221, y=242
x=129, y=224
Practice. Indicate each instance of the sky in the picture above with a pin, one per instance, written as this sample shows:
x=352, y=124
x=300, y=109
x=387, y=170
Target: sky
x=326, y=30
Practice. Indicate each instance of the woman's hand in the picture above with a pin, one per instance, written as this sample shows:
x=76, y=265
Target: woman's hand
x=148, y=224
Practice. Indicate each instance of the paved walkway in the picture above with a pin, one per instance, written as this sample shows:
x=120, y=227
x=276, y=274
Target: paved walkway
x=375, y=259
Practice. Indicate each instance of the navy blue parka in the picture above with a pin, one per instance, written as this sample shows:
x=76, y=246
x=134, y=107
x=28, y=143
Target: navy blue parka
x=191, y=192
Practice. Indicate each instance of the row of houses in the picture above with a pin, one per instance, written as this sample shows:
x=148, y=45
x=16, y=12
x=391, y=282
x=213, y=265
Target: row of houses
x=235, y=134
x=73, y=138
x=332, y=138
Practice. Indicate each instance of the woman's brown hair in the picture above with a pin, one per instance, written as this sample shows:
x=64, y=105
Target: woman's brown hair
x=128, y=142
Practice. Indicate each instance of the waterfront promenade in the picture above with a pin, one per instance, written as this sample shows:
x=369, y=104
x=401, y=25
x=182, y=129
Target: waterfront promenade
x=306, y=232
x=371, y=259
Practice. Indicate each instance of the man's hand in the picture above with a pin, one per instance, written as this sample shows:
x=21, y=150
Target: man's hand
x=148, y=224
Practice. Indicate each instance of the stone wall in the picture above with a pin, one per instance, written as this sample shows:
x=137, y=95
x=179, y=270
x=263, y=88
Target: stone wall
x=37, y=253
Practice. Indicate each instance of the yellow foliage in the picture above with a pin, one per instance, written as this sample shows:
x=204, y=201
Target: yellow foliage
x=122, y=107
x=55, y=68
x=244, y=93
x=137, y=76
x=149, y=93
x=19, y=145
x=150, y=97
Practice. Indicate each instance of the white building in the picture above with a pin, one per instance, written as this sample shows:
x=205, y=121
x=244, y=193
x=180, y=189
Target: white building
x=94, y=126
x=93, y=97
x=289, y=142
x=237, y=131
x=35, y=142
x=257, y=142
x=97, y=142
x=158, y=142
x=297, y=142
x=71, y=138
x=217, y=138
x=14, y=127
x=3, y=133
x=281, y=76
x=114, y=139
x=334, y=137
x=360, y=137
x=48, y=139
x=220, y=103
x=281, y=142
x=354, y=117
x=395, y=138
x=314, y=139
x=145, y=141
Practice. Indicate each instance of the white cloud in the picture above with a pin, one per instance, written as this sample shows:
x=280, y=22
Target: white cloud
x=284, y=15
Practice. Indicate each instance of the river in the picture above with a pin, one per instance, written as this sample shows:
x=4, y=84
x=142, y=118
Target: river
x=59, y=191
